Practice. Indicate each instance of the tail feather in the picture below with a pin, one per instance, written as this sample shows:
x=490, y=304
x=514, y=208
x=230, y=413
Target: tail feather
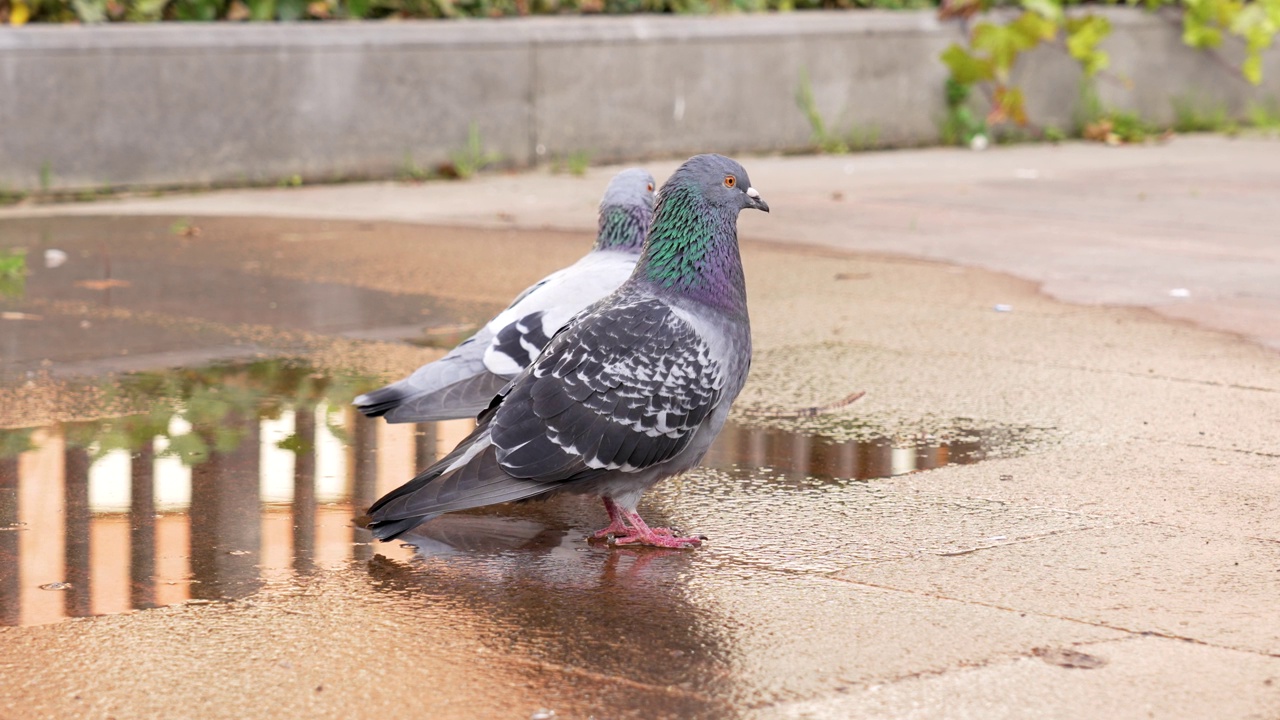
x=378, y=402
x=391, y=529
x=468, y=477
x=402, y=402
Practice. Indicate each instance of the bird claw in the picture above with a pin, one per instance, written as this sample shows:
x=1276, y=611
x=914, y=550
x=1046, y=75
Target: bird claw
x=659, y=537
x=614, y=530
x=639, y=533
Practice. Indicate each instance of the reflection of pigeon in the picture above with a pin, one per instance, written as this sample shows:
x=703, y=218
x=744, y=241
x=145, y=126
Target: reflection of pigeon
x=479, y=534
x=462, y=383
x=632, y=391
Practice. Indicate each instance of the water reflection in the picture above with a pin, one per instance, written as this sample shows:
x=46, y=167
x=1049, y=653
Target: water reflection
x=126, y=293
x=240, y=475
x=536, y=592
x=480, y=535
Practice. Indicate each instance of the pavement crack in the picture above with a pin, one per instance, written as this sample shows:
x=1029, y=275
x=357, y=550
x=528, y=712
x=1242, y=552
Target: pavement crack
x=1203, y=446
x=1055, y=366
x=669, y=690
x=1136, y=632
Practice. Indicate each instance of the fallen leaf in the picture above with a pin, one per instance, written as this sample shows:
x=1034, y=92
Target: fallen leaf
x=102, y=284
x=1063, y=657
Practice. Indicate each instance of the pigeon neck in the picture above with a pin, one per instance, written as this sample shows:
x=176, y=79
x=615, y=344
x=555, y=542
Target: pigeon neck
x=622, y=227
x=692, y=251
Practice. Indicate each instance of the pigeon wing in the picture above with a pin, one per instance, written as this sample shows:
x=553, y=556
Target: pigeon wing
x=624, y=388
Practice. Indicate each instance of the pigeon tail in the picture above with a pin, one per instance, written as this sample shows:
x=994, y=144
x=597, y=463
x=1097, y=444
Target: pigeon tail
x=378, y=402
x=466, y=478
x=390, y=530
x=401, y=402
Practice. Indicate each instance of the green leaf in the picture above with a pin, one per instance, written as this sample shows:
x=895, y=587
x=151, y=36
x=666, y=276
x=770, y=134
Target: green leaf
x=262, y=10
x=197, y=10
x=189, y=448
x=1035, y=28
x=1048, y=9
x=1084, y=34
x=145, y=10
x=290, y=10
x=1003, y=43
x=1254, y=23
x=1252, y=68
x=90, y=11
x=13, y=264
x=1201, y=21
x=966, y=69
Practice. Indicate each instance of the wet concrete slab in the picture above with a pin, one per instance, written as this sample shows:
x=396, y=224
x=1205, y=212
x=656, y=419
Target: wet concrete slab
x=1200, y=586
x=915, y=552
x=1132, y=678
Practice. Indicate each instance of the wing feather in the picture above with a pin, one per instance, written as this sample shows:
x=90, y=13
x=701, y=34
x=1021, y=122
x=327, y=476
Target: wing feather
x=626, y=376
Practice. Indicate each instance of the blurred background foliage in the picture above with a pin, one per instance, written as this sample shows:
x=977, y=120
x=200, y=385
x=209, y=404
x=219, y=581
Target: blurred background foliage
x=982, y=93
x=995, y=40
x=1209, y=18
x=18, y=12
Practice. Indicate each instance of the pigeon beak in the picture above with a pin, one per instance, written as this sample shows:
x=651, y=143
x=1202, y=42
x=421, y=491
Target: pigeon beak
x=755, y=201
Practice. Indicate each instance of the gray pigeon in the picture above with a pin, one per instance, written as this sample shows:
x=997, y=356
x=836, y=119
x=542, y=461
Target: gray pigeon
x=462, y=383
x=632, y=391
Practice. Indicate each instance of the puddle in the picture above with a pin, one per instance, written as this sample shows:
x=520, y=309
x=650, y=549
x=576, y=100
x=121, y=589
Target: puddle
x=239, y=471
x=245, y=474
x=80, y=294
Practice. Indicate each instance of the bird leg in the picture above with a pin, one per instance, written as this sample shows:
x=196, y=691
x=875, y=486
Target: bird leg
x=639, y=532
x=616, y=525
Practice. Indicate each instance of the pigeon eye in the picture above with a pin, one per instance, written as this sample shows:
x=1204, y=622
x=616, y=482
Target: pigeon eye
x=730, y=181
x=650, y=187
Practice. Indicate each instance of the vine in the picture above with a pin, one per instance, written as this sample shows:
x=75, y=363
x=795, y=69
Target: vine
x=993, y=46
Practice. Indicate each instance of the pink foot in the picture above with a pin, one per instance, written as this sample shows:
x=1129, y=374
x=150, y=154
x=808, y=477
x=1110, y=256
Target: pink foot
x=640, y=533
x=616, y=525
x=616, y=528
x=658, y=537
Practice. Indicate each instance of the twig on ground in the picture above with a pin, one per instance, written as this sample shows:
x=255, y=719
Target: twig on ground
x=810, y=411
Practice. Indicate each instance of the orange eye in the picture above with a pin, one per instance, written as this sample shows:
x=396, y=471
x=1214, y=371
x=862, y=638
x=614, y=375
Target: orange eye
x=650, y=186
x=730, y=181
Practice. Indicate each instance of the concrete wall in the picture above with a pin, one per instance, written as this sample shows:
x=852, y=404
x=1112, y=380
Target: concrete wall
x=188, y=104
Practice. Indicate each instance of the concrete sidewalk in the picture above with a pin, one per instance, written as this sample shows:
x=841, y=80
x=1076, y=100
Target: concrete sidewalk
x=1122, y=561
x=1190, y=228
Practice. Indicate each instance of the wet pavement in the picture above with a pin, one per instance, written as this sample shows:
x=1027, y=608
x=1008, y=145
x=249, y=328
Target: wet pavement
x=1185, y=228
x=1051, y=512
x=245, y=474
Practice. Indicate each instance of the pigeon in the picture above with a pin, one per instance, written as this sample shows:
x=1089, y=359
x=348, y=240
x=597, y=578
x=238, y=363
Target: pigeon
x=633, y=389
x=461, y=384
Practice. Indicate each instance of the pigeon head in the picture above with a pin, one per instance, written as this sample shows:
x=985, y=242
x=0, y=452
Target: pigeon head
x=626, y=210
x=692, y=247
x=722, y=183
